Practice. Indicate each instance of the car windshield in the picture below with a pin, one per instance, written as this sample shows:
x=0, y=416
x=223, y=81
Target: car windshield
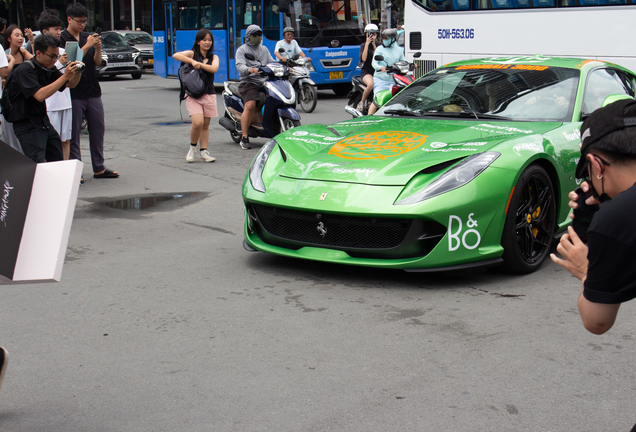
x=139, y=38
x=497, y=91
x=113, y=40
x=325, y=22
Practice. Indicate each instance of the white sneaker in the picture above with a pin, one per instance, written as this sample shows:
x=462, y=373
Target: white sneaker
x=205, y=156
x=191, y=154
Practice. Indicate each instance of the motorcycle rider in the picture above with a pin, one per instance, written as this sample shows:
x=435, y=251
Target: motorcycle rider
x=366, y=55
x=251, y=82
x=392, y=53
x=289, y=45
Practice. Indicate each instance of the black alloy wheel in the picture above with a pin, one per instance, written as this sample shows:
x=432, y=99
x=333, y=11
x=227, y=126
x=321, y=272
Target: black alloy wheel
x=530, y=223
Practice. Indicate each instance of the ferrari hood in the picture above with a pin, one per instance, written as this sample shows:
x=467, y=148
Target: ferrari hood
x=389, y=151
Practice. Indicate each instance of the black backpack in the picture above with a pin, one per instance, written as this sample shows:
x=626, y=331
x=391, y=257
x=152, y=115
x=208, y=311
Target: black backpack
x=13, y=106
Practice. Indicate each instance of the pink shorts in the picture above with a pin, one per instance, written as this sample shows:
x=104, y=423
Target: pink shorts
x=205, y=105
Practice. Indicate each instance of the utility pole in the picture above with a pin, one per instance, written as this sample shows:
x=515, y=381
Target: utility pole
x=384, y=16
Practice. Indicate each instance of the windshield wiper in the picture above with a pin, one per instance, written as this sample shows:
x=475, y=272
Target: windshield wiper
x=471, y=114
x=404, y=112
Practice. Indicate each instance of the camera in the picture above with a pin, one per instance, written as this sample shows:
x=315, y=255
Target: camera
x=80, y=66
x=583, y=214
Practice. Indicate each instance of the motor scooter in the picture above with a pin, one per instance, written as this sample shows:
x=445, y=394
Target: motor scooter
x=274, y=113
x=402, y=74
x=304, y=86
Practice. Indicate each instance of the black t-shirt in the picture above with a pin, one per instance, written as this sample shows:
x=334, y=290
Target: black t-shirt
x=28, y=80
x=611, y=273
x=210, y=76
x=88, y=87
x=366, y=65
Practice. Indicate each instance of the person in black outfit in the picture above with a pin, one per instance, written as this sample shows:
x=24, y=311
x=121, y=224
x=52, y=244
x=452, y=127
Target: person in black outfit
x=34, y=81
x=366, y=56
x=605, y=265
x=608, y=164
x=87, y=96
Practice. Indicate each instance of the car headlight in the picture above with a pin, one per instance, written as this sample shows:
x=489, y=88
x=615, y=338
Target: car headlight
x=258, y=165
x=455, y=177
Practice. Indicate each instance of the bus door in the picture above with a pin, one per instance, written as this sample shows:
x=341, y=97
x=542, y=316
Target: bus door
x=172, y=66
x=243, y=14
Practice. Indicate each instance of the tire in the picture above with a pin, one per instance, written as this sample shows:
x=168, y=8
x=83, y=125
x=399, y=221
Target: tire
x=136, y=75
x=342, y=89
x=530, y=223
x=308, y=98
x=289, y=123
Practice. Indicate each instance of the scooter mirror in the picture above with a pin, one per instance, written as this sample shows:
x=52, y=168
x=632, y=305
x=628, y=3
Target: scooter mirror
x=281, y=50
x=250, y=56
x=377, y=58
x=417, y=55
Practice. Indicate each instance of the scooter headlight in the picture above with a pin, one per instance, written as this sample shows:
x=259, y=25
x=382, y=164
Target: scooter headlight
x=277, y=69
x=258, y=165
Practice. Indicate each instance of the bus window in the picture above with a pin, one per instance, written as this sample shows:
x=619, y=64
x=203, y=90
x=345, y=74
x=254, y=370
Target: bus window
x=271, y=20
x=248, y=12
x=213, y=14
x=158, y=16
x=187, y=14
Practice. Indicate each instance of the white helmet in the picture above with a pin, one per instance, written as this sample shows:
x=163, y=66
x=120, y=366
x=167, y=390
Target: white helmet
x=371, y=28
x=390, y=34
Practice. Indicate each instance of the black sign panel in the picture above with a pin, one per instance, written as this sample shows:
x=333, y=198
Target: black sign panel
x=16, y=181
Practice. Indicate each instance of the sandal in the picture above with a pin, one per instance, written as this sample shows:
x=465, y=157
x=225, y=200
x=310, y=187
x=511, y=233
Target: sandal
x=106, y=174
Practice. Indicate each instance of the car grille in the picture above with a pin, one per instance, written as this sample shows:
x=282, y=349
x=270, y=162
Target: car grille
x=361, y=236
x=120, y=58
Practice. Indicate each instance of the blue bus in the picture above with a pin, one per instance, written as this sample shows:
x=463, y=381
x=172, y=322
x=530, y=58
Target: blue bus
x=333, y=30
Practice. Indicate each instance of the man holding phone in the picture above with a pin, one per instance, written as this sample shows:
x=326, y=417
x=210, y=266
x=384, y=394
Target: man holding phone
x=604, y=265
x=87, y=96
x=33, y=82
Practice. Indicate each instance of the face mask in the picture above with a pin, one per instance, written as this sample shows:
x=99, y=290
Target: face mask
x=387, y=43
x=256, y=40
x=600, y=198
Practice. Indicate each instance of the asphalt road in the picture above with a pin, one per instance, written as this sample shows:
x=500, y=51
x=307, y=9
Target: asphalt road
x=163, y=322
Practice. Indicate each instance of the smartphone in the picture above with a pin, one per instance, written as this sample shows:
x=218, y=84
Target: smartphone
x=98, y=30
x=583, y=214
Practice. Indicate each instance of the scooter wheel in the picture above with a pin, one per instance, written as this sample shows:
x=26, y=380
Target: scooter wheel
x=290, y=124
x=308, y=98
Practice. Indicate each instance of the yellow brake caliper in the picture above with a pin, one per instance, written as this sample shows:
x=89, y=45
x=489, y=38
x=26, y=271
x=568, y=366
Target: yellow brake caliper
x=535, y=215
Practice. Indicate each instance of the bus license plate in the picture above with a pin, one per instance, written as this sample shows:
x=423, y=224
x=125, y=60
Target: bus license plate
x=122, y=64
x=335, y=75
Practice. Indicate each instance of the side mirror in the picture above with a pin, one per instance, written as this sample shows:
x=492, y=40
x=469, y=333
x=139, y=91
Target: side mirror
x=417, y=55
x=379, y=58
x=250, y=56
x=281, y=50
x=615, y=97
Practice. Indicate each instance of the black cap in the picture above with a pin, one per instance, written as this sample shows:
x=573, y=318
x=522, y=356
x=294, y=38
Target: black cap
x=603, y=122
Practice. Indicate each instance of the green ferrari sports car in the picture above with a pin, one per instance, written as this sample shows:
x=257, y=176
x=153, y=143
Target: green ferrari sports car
x=468, y=166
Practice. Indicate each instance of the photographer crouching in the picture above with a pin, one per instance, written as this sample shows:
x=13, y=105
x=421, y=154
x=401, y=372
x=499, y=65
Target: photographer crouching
x=606, y=264
x=32, y=83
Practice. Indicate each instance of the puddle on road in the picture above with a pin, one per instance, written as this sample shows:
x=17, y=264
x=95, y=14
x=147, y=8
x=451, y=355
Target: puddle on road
x=145, y=203
x=173, y=123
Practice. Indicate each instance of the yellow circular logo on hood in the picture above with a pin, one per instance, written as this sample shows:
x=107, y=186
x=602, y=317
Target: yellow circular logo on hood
x=377, y=145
